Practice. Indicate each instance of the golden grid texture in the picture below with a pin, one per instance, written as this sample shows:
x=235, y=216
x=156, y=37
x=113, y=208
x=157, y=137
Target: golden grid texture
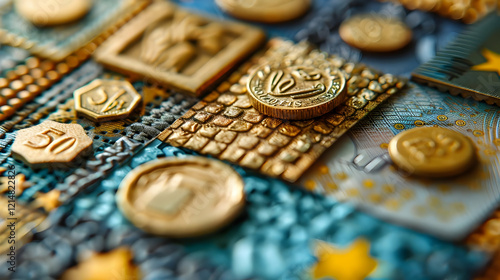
x=225, y=125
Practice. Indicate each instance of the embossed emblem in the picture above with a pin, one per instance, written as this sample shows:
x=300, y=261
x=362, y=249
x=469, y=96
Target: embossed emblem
x=173, y=44
x=432, y=152
x=422, y=149
x=181, y=197
x=104, y=100
x=51, y=144
x=177, y=48
x=303, y=90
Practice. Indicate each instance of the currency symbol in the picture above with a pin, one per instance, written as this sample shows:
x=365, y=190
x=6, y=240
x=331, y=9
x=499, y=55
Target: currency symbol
x=284, y=85
x=111, y=103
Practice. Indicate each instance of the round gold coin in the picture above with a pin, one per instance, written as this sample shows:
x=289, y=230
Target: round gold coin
x=373, y=33
x=52, y=12
x=181, y=197
x=432, y=152
x=269, y=11
x=296, y=92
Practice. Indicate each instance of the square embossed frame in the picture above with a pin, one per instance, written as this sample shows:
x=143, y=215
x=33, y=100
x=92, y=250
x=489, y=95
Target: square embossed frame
x=124, y=51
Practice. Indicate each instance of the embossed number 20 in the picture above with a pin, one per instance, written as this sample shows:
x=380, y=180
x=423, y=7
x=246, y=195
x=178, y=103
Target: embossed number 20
x=52, y=145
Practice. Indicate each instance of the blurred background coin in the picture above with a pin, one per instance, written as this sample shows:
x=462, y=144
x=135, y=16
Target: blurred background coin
x=269, y=11
x=52, y=12
x=432, y=152
x=374, y=33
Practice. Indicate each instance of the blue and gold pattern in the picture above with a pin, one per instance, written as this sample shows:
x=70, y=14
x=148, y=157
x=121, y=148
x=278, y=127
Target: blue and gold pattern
x=69, y=222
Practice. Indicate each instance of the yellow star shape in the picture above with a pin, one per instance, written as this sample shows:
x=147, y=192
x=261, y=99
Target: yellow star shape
x=49, y=201
x=351, y=263
x=492, y=64
x=113, y=265
x=20, y=184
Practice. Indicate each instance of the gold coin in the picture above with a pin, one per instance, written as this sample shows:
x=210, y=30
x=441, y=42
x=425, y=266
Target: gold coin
x=51, y=144
x=297, y=91
x=52, y=12
x=106, y=100
x=181, y=197
x=269, y=11
x=432, y=152
x=373, y=33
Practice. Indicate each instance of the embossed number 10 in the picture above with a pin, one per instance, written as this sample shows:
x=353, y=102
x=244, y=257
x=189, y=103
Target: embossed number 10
x=52, y=145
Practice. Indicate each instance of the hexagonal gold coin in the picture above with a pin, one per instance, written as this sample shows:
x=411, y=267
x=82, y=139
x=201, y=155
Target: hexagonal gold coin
x=51, y=144
x=106, y=100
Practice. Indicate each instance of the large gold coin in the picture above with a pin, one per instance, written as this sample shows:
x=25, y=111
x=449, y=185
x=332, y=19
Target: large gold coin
x=296, y=92
x=432, y=152
x=373, y=33
x=52, y=12
x=270, y=11
x=181, y=197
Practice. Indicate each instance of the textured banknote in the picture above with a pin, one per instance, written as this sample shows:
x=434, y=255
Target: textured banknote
x=470, y=66
x=70, y=223
x=359, y=168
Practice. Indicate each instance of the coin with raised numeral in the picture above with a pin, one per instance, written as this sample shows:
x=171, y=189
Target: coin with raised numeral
x=181, y=197
x=374, y=33
x=106, y=100
x=52, y=12
x=432, y=152
x=297, y=91
x=51, y=144
x=270, y=11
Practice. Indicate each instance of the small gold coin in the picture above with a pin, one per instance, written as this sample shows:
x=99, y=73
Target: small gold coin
x=51, y=144
x=296, y=92
x=269, y=11
x=181, y=197
x=52, y=12
x=106, y=100
x=373, y=33
x=432, y=152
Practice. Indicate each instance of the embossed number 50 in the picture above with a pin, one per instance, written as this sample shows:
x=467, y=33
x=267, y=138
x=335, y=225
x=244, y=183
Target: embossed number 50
x=57, y=146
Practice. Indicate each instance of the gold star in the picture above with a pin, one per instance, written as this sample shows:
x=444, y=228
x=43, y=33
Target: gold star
x=20, y=184
x=492, y=64
x=351, y=263
x=49, y=201
x=113, y=265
